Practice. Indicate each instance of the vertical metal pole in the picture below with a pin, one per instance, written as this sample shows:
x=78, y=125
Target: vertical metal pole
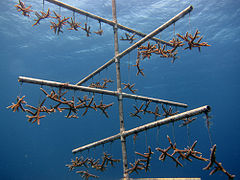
x=119, y=90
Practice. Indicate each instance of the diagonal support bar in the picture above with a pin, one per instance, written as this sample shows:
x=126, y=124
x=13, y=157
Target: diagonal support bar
x=95, y=90
x=190, y=113
x=141, y=41
x=109, y=22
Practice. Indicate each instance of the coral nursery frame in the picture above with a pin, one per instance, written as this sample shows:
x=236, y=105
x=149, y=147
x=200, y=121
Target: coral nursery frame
x=123, y=134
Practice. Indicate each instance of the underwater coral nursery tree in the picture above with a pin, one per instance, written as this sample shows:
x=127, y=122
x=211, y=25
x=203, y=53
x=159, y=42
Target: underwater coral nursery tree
x=86, y=103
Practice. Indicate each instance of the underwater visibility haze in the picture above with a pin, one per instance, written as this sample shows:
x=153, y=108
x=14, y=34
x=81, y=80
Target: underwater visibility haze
x=197, y=78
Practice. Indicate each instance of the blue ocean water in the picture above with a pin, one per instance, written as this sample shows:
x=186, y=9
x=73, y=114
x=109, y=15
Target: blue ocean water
x=209, y=77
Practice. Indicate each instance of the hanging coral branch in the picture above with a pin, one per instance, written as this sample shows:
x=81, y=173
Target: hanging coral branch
x=187, y=121
x=100, y=31
x=129, y=38
x=155, y=112
x=147, y=157
x=19, y=104
x=183, y=154
x=25, y=10
x=138, y=165
x=57, y=27
x=218, y=166
x=167, y=112
x=40, y=17
x=94, y=164
x=110, y=160
x=171, y=53
x=86, y=29
x=130, y=87
x=146, y=107
x=146, y=51
x=71, y=105
x=99, y=85
x=73, y=25
x=87, y=106
x=103, y=107
x=78, y=162
x=176, y=43
x=138, y=110
x=137, y=65
x=72, y=108
x=191, y=38
x=86, y=175
x=35, y=117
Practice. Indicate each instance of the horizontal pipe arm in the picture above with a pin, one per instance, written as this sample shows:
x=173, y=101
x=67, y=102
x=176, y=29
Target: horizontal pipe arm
x=94, y=90
x=141, y=41
x=151, y=125
x=109, y=22
x=134, y=96
x=65, y=85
